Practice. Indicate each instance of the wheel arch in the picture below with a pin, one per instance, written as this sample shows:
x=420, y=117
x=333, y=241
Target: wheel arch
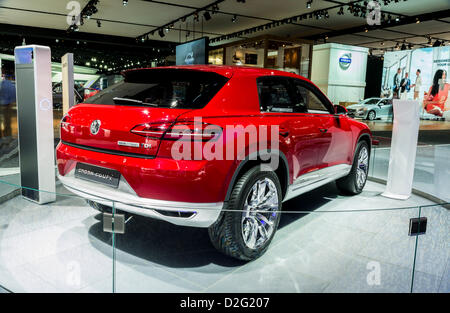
x=254, y=159
x=364, y=137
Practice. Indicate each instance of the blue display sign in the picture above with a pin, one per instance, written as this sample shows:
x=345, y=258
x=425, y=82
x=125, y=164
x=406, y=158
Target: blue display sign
x=24, y=55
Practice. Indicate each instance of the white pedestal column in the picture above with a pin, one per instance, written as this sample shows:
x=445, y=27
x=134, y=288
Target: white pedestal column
x=68, y=83
x=403, y=149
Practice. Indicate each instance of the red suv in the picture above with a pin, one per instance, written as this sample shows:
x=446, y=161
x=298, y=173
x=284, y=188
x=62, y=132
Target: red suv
x=211, y=146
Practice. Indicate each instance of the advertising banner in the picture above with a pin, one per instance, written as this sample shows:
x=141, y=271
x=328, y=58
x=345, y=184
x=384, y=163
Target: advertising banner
x=419, y=74
x=193, y=52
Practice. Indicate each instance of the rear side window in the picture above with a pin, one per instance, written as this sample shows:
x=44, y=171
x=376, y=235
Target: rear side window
x=275, y=95
x=165, y=88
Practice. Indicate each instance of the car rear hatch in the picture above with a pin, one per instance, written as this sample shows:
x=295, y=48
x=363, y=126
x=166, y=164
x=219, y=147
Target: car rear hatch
x=131, y=117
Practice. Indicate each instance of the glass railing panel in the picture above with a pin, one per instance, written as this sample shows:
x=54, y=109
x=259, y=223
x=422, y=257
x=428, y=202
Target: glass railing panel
x=432, y=268
x=55, y=247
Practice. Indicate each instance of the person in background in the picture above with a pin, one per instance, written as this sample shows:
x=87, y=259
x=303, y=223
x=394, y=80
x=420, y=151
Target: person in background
x=7, y=91
x=417, y=85
x=434, y=101
x=405, y=87
x=397, y=80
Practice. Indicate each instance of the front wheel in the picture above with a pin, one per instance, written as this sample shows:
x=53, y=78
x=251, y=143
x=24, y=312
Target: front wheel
x=355, y=181
x=249, y=221
x=371, y=116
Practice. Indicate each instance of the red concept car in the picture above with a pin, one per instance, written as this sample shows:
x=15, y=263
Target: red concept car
x=211, y=146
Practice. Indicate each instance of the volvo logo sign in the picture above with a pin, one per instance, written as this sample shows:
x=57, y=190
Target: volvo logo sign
x=95, y=127
x=345, y=60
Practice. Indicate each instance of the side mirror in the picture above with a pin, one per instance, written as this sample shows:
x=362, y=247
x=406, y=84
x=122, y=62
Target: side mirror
x=339, y=109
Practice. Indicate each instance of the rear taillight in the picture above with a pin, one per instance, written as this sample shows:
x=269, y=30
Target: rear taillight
x=179, y=131
x=65, y=122
x=193, y=131
x=151, y=130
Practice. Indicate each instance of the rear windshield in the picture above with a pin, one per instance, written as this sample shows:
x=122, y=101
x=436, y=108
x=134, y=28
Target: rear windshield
x=166, y=88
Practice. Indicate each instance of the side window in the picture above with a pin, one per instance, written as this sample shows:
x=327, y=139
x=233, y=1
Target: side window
x=275, y=95
x=307, y=98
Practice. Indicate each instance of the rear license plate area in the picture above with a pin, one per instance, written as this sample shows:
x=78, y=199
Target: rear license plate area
x=97, y=174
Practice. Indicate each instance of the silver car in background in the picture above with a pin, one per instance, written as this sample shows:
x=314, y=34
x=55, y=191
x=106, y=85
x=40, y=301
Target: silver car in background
x=371, y=109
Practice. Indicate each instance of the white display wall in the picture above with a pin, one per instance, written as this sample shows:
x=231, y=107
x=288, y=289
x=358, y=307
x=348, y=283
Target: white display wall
x=340, y=71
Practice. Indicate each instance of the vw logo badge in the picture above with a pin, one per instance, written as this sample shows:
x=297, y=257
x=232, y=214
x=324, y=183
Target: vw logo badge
x=95, y=127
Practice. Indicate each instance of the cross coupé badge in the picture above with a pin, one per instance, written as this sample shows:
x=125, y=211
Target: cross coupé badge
x=95, y=127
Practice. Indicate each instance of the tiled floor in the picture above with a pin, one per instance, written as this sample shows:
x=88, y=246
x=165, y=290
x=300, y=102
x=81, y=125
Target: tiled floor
x=62, y=247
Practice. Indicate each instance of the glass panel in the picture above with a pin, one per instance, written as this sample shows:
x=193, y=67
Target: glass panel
x=326, y=242
x=432, y=267
x=54, y=247
x=431, y=173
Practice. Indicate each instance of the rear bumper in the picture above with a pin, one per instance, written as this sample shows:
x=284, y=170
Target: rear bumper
x=125, y=199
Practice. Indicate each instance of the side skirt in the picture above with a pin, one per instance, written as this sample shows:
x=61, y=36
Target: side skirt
x=313, y=180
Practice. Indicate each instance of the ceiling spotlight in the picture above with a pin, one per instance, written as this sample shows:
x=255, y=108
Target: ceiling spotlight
x=207, y=16
x=125, y=2
x=403, y=46
x=417, y=20
x=161, y=32
x=341, y=11
x=234, y=19
x=382, y=43
x=397, y=19
x=397, y=46
x=308, y=4
x=99, y=23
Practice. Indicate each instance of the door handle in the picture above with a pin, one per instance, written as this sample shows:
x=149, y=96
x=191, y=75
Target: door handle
x=323, y=130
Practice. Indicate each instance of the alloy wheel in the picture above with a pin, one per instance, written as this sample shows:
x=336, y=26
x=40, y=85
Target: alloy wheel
x=363, y=166
x=260, y=213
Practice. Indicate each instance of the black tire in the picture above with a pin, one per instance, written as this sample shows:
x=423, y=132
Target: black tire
x=373, y=117
x=226, y=232
x=348, y=185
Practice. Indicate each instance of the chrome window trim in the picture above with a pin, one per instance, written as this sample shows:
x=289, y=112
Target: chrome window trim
x=315, y=179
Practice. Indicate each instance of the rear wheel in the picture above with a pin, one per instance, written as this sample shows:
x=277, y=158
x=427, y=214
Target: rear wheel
x=249, y=222
x=355, y=181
